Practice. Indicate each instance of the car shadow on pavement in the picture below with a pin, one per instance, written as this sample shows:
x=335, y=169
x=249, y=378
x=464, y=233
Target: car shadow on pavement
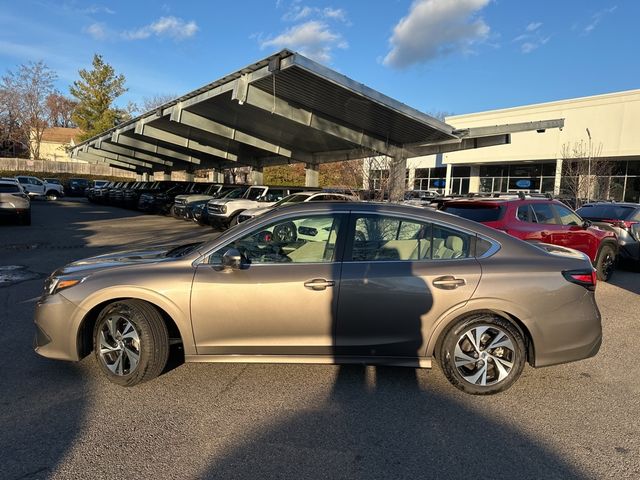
x=389, y=427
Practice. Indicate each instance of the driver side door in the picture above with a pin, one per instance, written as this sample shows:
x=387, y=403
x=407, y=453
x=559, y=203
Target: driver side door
x=283, y=299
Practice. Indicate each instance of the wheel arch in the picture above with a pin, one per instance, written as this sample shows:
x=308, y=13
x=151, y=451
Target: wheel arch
x=443, y=328
x=84, y=336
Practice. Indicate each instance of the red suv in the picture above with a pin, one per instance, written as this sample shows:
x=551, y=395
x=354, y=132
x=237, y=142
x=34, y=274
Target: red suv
x=542, y=220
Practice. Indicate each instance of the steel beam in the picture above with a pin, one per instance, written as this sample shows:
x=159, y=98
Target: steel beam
x=119, y=158
x=539, y=126
x=277, y=106
x=136, y=144
x=211, y=126
x=127, y=152
x=453, y=146
x=147, y=130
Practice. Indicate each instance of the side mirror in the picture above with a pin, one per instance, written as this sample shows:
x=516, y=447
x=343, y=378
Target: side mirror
x=232, y=259
x=586, y=224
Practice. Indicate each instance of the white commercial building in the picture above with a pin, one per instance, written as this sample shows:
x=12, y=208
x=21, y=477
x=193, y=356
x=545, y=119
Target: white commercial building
x=607, y=125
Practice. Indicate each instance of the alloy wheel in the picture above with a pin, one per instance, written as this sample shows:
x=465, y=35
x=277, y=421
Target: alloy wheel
x=119, y=345
x=484, y=355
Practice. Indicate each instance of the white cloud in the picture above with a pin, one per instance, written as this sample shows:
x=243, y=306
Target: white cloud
x=172, y=27
x=597, y=18
x=97, y=30
x=533, y=26
x=434, y=28
x=313, y=38
x=532, y=39
x=297, y=12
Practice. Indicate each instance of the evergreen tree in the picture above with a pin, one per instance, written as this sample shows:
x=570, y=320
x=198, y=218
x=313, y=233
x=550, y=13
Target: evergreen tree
x=95, y=92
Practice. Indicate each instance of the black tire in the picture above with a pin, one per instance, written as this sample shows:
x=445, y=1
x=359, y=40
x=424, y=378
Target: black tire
x=514, y=353
x=234, y=220
x=152, y=346
x=52, y=195
x=605, y=263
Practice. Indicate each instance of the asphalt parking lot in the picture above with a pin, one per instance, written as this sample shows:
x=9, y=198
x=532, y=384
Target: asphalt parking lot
x=64, y=420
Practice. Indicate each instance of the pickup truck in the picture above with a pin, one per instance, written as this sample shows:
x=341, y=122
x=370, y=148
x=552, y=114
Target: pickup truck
x=36, y=187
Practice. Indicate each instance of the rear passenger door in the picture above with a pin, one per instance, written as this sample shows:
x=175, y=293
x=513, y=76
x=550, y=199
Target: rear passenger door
x=398, y=277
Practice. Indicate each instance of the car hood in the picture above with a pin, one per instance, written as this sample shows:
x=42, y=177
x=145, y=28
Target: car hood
x=254, y=212
x=117, y=259
x=195, y=197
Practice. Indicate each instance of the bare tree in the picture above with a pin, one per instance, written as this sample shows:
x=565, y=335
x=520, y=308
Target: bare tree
x=26, y=92
x=586, y=174
x=61, y=110
x=154, y=101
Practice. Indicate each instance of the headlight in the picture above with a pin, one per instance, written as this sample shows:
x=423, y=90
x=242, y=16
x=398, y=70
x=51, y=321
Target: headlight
x=223, y=208
x=54, y=285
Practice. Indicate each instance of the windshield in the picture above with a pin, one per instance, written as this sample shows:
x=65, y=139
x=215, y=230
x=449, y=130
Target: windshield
x=254, y=193
x=198, y=187
x=212, y=190
x=235, y=193
x=477, y=213
x=606, y=211
x=295, y=198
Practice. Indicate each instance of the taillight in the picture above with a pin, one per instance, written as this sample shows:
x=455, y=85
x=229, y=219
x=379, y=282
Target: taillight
x=584, y=278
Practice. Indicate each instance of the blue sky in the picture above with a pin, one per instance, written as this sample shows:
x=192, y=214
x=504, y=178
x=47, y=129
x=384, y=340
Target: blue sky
x=436, y=55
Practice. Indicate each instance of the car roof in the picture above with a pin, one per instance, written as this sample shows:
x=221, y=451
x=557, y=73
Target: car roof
x=613, y=204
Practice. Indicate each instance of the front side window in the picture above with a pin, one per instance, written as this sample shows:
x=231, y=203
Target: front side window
x=567, y=217
x=543, y=213
x=308, y=239
x=380, y=238
x=274, y=195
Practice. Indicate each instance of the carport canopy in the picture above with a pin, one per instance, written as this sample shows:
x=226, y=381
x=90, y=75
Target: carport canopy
x=284, y=109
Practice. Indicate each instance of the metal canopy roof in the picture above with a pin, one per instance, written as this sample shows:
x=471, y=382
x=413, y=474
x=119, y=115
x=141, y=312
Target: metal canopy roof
x=283, y=109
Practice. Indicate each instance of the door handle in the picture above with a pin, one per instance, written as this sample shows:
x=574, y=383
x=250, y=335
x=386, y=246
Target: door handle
x=319, y=284
x=448, y=282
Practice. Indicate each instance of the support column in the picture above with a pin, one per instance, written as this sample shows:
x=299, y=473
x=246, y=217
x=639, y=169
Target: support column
x=447, y=181
x=257, y=176
x=558, y=180
x=474, y=180
x=412, y=178
x=311, y=175
x=397, y=178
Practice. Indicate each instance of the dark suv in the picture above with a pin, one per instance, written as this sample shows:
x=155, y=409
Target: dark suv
x=621, y=218
x=542, y=220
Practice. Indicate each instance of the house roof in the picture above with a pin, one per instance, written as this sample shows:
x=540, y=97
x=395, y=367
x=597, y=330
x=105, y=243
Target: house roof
x=60, y=134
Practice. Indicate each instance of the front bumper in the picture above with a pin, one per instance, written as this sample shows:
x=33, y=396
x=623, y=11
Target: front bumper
x=56, y=337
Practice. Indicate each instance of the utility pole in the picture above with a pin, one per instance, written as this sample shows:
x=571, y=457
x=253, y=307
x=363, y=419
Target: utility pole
x=589, y=168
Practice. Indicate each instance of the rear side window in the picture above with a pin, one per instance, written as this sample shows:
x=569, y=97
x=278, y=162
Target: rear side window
x=381, y=238
x=477, y=213
x=9, y=188
x=606, y=212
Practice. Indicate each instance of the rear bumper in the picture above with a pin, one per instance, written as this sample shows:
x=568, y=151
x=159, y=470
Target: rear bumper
x=574, y=333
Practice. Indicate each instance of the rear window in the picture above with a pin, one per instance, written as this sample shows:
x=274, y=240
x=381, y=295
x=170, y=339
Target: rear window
x=614, y=212
x=477, y=213
x=8, y=188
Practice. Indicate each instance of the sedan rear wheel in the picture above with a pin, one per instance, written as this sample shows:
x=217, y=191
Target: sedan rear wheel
x=482, y=355
x=131, y=342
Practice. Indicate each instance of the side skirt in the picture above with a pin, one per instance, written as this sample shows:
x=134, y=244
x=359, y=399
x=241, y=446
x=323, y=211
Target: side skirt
x=413, y=362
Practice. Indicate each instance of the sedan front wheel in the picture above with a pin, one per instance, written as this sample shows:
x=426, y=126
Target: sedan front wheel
x=131, y=342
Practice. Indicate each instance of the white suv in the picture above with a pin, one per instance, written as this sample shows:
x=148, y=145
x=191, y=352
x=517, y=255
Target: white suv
x=14, y=202
x=36, y=187
x=306, y=196
x=223, y=212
